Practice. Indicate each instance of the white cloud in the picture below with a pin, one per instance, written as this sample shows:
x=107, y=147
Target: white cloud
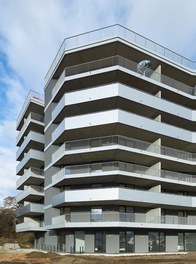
x=7, y=173
x=170, y=23
x=31, y=33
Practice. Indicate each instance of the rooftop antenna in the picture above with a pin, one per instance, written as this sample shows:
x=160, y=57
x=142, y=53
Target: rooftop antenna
x=142, y=66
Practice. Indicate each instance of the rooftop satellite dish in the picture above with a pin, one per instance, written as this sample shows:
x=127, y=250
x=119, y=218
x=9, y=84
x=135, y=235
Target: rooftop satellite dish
x=142, y=66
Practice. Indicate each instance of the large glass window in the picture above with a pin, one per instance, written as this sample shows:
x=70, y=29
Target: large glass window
x=186, y=241
x=100, y=241
x=181, y=242
x=126, y=214
x=156, y=241
x=182, y=217
x=61, y=241
x=126, y=241
x=96, y=214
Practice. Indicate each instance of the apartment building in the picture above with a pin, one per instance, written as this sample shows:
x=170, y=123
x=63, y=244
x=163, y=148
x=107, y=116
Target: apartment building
x=119, y=153
x=30, y=168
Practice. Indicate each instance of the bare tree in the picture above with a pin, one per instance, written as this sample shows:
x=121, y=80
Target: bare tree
x=10, y=203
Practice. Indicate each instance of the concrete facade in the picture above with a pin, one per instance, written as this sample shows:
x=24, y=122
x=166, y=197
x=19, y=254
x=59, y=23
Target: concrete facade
x=119, y=147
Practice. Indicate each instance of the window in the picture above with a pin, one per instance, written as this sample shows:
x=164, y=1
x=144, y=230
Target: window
x=100, y=241
x=181, y=245
x=96, y=214
x=126, y=242
x=156, y=241
x=61, y=240
x=182, y=217
x=126, y=213
x=186, y=241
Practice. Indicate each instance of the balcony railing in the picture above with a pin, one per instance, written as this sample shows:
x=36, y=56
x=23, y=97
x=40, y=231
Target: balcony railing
x=30, y=155
x=30, y=190
x=31, y=96
x=121, y=217
x=111, y=167
x=118, y=31
x=30, y=225
x=31, y=117
x=34, y=136
x=30, y=208
x=31, y=172
x=123, y=141
x=125, y=63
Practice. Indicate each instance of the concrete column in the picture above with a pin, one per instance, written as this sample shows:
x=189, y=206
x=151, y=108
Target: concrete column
x=156, y=75
x=158, y=118
x=155, y=170
x=155, y=146
x=158, y=94
x=156, y=188
x=153, y=215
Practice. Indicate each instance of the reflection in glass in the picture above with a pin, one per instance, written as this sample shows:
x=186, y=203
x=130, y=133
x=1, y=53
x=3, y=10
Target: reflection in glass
x=127, y=243
x=100, y=241
x=156, y=241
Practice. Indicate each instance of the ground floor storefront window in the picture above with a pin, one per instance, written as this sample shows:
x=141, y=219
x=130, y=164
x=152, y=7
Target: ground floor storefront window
x=156, y=241
x=186, y=241
x=100, y=241
x=126, y=241
x=61, y=241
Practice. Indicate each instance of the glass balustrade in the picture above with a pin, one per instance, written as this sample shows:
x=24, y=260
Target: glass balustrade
x=123, y=141
x=119, y=32
x=109, y=167
x=122, y=217
x=124, y=63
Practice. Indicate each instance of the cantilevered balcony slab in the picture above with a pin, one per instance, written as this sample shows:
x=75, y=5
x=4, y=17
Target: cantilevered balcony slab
x=34, y=122
x=88, y=145
x=31, y=193
x=33, y=158
x=33, y=140
x=31, y=209
x=33, y=103
x=30, y=226
x=142, y=101
x=108, y=120
x=118, y=195
x=120, y=33
x=123, y=148
x=122, y=172
x=32, y=176
x=118, y=219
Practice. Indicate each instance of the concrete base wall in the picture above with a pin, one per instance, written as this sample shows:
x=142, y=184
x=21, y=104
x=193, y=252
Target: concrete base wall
x=112, y=243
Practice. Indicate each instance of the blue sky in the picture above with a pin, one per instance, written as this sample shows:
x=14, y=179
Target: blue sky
x=31, y=32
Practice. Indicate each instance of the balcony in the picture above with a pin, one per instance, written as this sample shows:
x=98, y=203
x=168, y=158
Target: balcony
x=134, y=145
x=30, y=226
x=93, y=124
x=38, y=102
x=31, y=193
x=122, y=63
x=33, y=122
x=33, y=158
x=118, y=32
x=31, y=209
x=96, y=171
x=118, y=219
x=33, y=140
x=114, y=195
x=126, y=95
x=32, y=176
